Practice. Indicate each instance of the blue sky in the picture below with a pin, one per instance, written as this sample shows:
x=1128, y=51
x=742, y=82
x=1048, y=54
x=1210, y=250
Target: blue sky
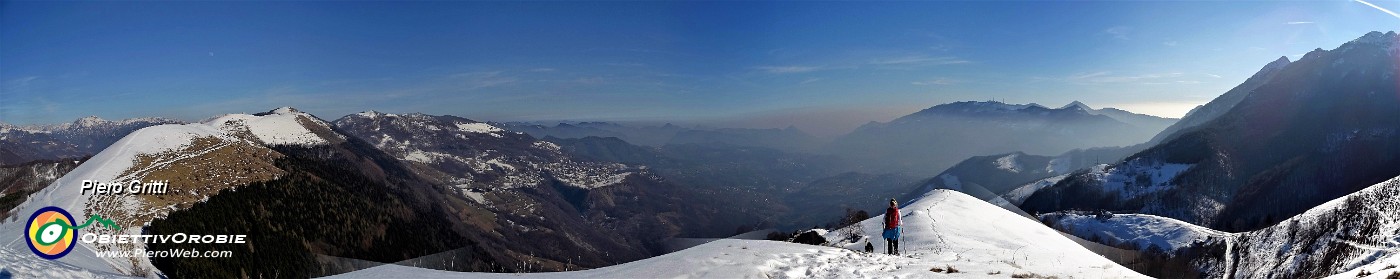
x=823, y=66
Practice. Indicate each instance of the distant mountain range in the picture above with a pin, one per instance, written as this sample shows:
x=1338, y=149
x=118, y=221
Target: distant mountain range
x=929, y=141
x=83, y=137
x=789, y=139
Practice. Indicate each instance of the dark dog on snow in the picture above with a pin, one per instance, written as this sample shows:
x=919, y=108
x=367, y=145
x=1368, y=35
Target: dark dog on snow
x=869, y=248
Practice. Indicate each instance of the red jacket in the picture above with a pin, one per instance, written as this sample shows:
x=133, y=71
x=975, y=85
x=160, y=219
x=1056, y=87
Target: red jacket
x=891, y=217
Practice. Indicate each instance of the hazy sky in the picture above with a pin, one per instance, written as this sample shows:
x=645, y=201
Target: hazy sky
x=823, y=66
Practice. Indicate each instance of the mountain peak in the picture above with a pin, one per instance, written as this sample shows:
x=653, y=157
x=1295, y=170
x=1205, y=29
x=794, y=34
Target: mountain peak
x=1275, y=66
x=1077, y=105
x=281, y=111
x=284, y=110
x=1376, y=37
x=979, y=106
x=372, y=114
x=89, y=121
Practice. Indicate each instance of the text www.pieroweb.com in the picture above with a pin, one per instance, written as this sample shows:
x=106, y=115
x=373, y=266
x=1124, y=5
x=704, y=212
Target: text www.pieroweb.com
x=172, y=253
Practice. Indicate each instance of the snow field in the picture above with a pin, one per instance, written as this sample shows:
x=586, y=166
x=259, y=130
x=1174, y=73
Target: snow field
x=943, y=229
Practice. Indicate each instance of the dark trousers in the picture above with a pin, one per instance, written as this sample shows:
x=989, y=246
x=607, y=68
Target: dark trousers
x=892, y=246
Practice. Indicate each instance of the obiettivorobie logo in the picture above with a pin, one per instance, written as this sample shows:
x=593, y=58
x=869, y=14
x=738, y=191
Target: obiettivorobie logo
x=51, y=231
x=51, y=234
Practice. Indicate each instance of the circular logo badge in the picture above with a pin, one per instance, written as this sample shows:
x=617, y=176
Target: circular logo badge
x=50, y=232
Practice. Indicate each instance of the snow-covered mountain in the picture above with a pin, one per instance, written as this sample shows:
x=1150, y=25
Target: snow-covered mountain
x=600, y=212
x=931, y=140
x=228, y=149
x=315, y=201
x=1356, y=232
x=1016, y=174
x=476, y=155
x=80, y=138
x=946, y=234
x=1322, y=127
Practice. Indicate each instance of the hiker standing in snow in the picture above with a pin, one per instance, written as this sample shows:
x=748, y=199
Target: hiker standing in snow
x=892, y=229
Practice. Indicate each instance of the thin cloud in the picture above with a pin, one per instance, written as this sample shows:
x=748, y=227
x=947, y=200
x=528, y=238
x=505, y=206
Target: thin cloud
x=787, y=69
x=1089, y=75
x=1378, y=8
x=478, y=80
x=1104, y=77
x=1298, y=22
x=19, y=85
x=919, y=60
x=1120, y=32
x=937, y=81
x=23, y=80
x=810, y=80
x=621, y=64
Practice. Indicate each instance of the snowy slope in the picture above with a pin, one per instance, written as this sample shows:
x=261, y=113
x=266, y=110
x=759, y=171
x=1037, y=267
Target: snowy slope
x=1388, y=267
x=105, y=166
x=944, y=228
x=1356, y=232
x=24, y=264
x=1017, y=176
x=157, y=148
x=1140, y=230
x=83, y=137
x=282, y=126
x=1015, y=197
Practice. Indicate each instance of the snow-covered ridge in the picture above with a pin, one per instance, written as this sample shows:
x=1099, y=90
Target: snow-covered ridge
x=479, y=127
x=155, y=148
x=282, y=126
x=85, y=123
x=943, y=229
x=1015, y=197
x=374, y=114
x=1345, y=236
x=107, y=165
x=1360, y=228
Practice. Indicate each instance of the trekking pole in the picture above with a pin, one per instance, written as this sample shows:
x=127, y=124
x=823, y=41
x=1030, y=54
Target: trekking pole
x=900, y=240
